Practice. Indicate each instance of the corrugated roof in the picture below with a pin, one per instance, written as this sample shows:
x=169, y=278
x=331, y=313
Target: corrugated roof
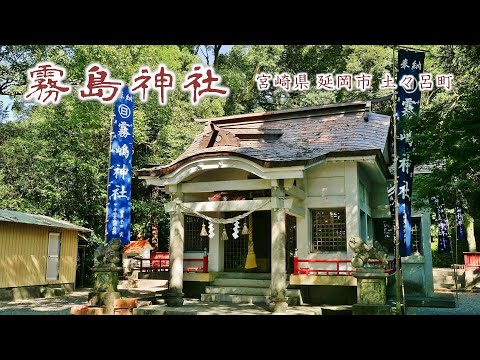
x=303, y=136
x=33, y=219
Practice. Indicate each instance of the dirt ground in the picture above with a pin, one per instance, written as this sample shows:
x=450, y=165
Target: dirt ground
x=468, y=304
x=54, y=306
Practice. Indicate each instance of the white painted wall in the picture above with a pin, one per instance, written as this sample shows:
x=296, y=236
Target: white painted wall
x=327, y=185
x=330, y=184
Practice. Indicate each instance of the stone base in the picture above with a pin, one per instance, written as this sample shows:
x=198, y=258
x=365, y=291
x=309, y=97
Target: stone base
x=279, y=306
x=362, y=309
x=35, y=291
x=105, y=280
x=174, y=299
x=371, y=286
x=413, y=275
x=49, y=293
x=105, y=299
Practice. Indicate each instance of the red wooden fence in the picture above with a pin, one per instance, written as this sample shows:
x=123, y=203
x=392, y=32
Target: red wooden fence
x=390, y=268
x=472, y=260
x=160, y=261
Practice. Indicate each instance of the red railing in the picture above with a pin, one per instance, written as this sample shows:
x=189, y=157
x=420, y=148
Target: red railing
x=160, y=261
x=390, y=268
x=204, y=267
x=472, y=260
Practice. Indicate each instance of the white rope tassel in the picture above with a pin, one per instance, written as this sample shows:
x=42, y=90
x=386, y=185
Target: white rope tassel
x=223, y=221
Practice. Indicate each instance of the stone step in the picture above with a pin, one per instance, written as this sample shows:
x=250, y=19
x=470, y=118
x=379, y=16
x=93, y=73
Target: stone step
x=451, y=277
x=239, y=275
x=442, y=272
x=447, y=286
x=440, y=278
x=244, y=299
x=242, y=283
x=450, y=283
x=236, y=290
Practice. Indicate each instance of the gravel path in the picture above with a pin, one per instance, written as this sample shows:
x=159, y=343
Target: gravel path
x=468, y=304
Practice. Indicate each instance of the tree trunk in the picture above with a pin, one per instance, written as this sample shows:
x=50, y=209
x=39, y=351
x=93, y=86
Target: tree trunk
x=216, y=52
x=469, y=226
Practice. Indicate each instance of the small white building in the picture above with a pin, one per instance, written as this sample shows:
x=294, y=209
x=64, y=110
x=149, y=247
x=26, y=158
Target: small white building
x=313, y=177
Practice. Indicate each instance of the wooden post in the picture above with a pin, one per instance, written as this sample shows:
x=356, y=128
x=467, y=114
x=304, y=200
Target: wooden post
x=205, y=262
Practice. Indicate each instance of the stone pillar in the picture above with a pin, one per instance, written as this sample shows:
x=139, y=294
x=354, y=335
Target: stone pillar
x=278, y=265
x=413, y=275
x=352, y=210
x=427, y=253
x=175, y=281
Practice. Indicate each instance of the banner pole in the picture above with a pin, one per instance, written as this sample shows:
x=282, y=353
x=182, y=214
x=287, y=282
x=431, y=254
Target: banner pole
x=456, y=259
x=398, y=275
x=108, y=173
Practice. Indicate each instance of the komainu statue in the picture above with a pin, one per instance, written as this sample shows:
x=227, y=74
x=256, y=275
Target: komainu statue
x=364, y=252
x=107, y=255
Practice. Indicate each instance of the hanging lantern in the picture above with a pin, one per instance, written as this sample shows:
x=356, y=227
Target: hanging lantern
x=224, y=234
x=245, y=228
x=204, y=230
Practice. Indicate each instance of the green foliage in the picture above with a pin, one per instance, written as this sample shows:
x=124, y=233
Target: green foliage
x=447, y=133
x=243, y=63
x=54, y=160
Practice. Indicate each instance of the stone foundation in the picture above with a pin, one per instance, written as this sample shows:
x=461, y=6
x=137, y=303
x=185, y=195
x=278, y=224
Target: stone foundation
x=371, y=292
x=105, y=288
x=35, y=291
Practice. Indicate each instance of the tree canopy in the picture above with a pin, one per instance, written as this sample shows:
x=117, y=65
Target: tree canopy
x=53, y=159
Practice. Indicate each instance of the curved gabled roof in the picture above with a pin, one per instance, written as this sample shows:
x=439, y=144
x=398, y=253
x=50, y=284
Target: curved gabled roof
x=289, y=137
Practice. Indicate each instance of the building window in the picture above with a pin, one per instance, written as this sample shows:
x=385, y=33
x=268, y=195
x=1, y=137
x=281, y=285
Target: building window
x=416, y=234
x=53, y=256
x=363, y=225
x=385, y=234
x=193, y=240
x=329, y=230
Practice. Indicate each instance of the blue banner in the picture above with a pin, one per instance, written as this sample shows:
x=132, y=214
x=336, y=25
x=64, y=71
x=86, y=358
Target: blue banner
x=410, y=65
x=459, y=220
x=441, y=218
x=120, y=170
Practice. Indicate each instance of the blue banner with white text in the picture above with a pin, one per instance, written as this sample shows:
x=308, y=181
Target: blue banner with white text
x=459, y=220
x=120, y=170
x=410, y=65
x=441, y=219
